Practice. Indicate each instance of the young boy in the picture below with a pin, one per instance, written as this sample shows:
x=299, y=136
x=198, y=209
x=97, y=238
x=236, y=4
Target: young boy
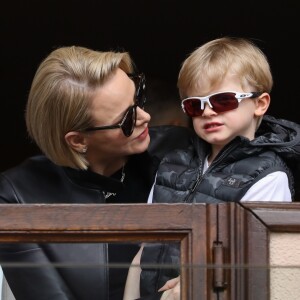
x=238, y=153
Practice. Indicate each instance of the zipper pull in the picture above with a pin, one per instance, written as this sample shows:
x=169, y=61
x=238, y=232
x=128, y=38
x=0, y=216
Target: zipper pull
x=195, y=183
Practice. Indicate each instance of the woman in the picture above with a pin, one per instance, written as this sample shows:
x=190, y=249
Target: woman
x=85, y=113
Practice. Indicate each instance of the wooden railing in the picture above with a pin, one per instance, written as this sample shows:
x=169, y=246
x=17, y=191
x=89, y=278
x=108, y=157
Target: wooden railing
x=222, y=245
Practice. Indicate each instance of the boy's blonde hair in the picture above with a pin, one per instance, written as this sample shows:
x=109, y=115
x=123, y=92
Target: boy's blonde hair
x=209, y=64
x=60, y=96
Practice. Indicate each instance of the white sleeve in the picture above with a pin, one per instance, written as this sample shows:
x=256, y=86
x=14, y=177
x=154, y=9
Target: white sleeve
x=1, y=282
x=273, y=187
x=150, y=197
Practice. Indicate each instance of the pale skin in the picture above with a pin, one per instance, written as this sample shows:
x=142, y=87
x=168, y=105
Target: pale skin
x=171, y=288
x=108, y=150
x=218, y=129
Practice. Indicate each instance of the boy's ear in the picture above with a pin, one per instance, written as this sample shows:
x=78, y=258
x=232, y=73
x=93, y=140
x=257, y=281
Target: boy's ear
x=262, y=104
x=76, y=141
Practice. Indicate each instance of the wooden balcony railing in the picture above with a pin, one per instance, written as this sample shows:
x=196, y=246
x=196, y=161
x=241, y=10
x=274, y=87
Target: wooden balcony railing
x=222, y=245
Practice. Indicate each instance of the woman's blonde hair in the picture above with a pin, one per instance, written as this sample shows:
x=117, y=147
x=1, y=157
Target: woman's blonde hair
x=60, y=94
x=209, y=64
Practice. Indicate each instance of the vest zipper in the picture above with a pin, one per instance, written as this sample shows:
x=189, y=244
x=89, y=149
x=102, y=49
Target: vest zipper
x=211, y=167
x=193, y=188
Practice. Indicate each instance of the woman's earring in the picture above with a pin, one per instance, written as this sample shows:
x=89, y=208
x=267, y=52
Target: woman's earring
x=84, y=150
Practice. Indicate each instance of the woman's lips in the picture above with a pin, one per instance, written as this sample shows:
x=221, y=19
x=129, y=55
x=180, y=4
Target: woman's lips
x=144, y=134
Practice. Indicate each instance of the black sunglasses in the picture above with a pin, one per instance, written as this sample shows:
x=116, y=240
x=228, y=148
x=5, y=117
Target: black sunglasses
x=128, y=122
x=219, y=102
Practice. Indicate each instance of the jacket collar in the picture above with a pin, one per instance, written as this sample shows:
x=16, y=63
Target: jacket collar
x=92, y=180
x=139, y=164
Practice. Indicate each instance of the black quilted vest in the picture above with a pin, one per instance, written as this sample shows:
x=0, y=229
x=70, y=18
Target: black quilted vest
x=180, y=179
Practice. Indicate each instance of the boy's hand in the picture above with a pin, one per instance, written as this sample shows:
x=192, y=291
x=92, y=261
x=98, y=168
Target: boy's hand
x=172, y=289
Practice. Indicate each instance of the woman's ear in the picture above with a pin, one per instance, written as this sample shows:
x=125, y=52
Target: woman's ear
x=262, y=104
x=76, y=141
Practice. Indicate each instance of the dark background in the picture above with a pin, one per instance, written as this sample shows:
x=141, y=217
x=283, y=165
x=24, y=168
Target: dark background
x=157, y=34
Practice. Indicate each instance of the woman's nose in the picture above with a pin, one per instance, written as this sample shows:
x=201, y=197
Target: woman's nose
x=142, y=116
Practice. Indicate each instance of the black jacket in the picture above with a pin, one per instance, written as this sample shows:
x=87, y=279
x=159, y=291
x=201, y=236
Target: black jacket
x=237, y=167
x=38, y=180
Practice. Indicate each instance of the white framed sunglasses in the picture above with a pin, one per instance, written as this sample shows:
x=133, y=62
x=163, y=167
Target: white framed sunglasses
x=219, y=102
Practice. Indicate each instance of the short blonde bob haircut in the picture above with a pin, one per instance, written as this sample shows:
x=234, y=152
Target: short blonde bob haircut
x=60, y=95
x=209, y=64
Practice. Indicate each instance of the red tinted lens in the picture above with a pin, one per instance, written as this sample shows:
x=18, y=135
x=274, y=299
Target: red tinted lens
x=192, y=107
x=223, y=102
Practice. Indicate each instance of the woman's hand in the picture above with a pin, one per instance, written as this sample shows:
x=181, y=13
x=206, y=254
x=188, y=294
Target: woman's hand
x=172, y=289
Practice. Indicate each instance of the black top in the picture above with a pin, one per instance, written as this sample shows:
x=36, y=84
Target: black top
x=38, y=180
